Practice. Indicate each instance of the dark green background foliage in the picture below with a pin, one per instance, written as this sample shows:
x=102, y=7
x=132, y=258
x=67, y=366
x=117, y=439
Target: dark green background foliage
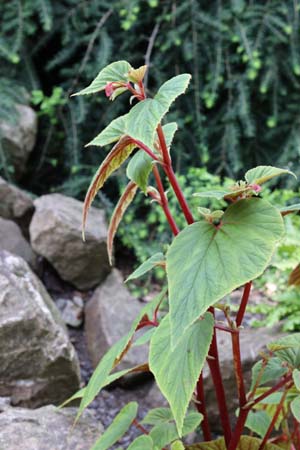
x=243, y=105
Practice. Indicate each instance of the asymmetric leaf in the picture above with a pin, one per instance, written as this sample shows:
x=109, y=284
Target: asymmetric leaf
x=176, y=371
x=261, y=174
x=112, y=162
x=123, y=203
x=147, y=265
x=117, y=71
x=144, y=117
x=218, y=259
x=112, y=133
x=273, y=370
x=258, y=422
x=287, y=349
x=117, y=428
x=141, y=443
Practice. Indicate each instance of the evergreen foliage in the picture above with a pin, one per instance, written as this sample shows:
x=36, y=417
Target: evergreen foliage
x=242, y=109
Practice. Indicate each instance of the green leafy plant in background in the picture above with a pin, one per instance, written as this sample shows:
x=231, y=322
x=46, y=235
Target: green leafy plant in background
x=213, y=254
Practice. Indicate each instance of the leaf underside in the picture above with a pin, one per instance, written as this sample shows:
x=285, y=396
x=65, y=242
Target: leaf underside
x=217, y=260
x=261, y=174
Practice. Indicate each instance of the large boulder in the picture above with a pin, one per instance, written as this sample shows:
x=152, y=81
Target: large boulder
x=55, y=234
x=38, y=364
x=47, y=428
x=12, y=240
x=108, y=317
x=15, y=205
x=18, y=140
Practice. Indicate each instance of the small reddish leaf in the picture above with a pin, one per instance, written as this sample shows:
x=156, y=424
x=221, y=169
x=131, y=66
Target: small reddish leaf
x=122, y=205
x=112, y=162
x=294, y=278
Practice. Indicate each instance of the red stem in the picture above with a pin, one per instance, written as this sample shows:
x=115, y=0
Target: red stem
x=266, y=394
x=215, y=370
x=146, y=149
x=243, y=304
x=200, y=404
x=164, y=201
x=236, y=350
x=274, y=420
x=163, y=146
x=238, y=429
x=178, y=192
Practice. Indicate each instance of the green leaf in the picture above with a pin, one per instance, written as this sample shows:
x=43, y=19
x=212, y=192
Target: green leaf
x=169, y=131
x=295, y=408
x=141, y=443
x=117, y=428
x=101, y=377
x=144, y=338
x=112, y=133
x=147, y=265
x=220, y=195
x=144, y=117
x=296, y=378
x=272, y=371
x=246, y=443
x=290, y=208
x=157, y=416
x=117, y=71
x=177, y=445
x=218, y=259
x=139, y=169
x=164, y=433
x=261, y=174
x=172, y=367
x=258, y=422
x=287, y=349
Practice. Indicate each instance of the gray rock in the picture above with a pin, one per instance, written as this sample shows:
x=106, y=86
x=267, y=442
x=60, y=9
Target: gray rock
x=38, y=364
x=108, y=317
x=12, y=240
x=55, y=233
x=15, y=205
x=252, y=342
x=19, y=140
x=71, y=310
x=47, y=428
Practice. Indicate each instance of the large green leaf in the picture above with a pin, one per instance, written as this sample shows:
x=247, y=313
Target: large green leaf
x=117, y=428
x=141, y=443
x=246, y=443
x=218, y=259
x=176, y=370
x=157, y=416
x=295, y=407
x=273, y=370
x=261, y=174
x=169, y=130
x=112, y=133
x=144, y=117
x=117, y=71
x=147, y=265
x=139, y=169
x=101, y=377
x=287, y=349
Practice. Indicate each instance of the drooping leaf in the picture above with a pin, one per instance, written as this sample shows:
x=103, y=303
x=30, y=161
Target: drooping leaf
x=294, y=278
x=218, y=259
x=287, y=349
x=112, y=133
x=139, y=169
x=224, y=194
x=258, y=422
x=144, y=117
x=147, y=265
x=273, y=370
x=295, y=408
x=166, y=432
x=246, y=443
x=117, y=71
x=176, y=370
x=101, y=377
x=290, y=209
x=123, y=203
x=141, y=443
x=117, y=428
x=261, y=174
x=112, y=162
x=296, y=378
